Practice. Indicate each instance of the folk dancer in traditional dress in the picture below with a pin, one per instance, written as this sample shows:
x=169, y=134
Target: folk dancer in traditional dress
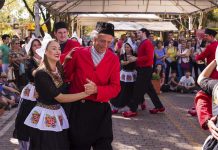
x=47, y=120
x=28, y=95
x=144, y=62
x=202, y=99
x=90, y=118
x=127, y=78
x=61, y=34
x=210, y=86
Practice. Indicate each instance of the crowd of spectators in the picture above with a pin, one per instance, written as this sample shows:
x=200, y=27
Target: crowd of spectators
x=174, y=60
x=13, y=58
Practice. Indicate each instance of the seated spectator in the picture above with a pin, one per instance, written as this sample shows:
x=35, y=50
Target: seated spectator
x=186, y=83
x=9, y=92
x=172, y=83
x=7, y=103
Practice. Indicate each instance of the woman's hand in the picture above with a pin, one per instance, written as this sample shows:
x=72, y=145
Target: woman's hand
x=132, y=58
x=212, y=127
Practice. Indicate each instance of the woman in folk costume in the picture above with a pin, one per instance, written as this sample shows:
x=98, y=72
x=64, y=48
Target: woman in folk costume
x=28, y=95
x=47, y=120
x=127, y=78
x=210, y=86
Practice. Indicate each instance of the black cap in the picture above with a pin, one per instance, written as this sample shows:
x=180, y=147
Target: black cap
x=59, y=25
x=210, y=32
x=106, y=28
x=145, y=31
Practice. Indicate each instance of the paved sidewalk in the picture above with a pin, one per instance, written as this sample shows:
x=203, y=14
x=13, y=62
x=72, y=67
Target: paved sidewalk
x=172, y=130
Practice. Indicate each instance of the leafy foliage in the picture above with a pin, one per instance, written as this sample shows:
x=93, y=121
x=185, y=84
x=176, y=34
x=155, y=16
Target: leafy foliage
x=155, y=76
x=213, y=15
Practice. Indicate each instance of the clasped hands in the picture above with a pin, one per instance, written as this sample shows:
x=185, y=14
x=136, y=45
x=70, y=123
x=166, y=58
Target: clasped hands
x=90, y=87
x=131, y=58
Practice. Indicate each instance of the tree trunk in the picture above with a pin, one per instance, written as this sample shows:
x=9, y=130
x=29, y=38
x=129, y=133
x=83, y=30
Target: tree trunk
x=2, y=2
x=46, y=18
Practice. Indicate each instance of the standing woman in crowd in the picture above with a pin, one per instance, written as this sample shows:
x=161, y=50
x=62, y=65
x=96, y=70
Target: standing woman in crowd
x=196, y=64
x=160, y=55
x=47, y=120
x=171, y=52
x=127, y=79
x=17, y=59
x=28, y=96
x=183, y=55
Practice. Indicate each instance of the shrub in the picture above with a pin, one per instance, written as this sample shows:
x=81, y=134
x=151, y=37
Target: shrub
x=155, y=76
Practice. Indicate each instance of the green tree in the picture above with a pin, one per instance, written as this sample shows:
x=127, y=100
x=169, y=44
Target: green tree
x=44, y=14
x=12, y=13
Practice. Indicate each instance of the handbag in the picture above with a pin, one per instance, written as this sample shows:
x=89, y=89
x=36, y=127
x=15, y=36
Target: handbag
x=21, y=69
x=11, y=75
x=185, y=66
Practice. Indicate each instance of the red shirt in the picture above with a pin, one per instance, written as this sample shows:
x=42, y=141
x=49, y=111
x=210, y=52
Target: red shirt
x=68, y=47
x=106, y=75
x=145, y=54
x=209, y=54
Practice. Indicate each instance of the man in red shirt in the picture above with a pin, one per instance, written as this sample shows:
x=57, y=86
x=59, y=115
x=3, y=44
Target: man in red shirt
x=203, y=102
x=144, y=63
x=90, y=119
x=61, y=34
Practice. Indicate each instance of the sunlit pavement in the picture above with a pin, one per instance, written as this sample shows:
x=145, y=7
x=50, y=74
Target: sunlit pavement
x=172, y=130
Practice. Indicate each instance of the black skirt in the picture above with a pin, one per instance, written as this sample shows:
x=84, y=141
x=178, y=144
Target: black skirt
x=48, y=140
x=21, y=131
x=125, y=95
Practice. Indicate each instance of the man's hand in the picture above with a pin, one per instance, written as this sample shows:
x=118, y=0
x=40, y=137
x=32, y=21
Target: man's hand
x=90, y=87
x=68, y=56
x=212, y=127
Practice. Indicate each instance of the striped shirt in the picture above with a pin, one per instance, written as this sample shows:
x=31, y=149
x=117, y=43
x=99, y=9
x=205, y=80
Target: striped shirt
x=96, y=57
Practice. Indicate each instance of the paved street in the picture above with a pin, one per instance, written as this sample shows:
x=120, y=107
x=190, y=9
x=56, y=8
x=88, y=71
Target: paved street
x=172, y=130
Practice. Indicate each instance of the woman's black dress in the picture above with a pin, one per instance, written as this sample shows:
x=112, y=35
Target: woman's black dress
x=45, y=136
x=126, y=93
x=21, y=131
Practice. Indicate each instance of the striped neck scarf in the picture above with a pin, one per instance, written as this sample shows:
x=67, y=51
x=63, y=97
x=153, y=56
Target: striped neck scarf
x=96, y=57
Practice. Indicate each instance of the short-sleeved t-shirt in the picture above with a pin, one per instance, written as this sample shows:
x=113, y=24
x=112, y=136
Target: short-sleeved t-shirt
x=187, y=81
x=159, y=53
x=5, y=53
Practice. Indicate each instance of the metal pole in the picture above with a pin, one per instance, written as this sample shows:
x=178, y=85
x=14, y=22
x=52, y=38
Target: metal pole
x=37, y=19
x=190, y=23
